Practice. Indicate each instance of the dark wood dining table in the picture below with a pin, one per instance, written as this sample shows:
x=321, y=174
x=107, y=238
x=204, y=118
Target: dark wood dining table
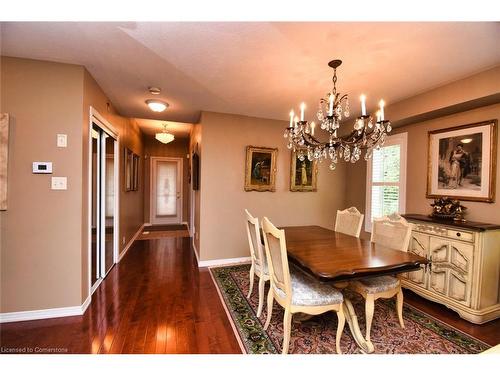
x=336, y=257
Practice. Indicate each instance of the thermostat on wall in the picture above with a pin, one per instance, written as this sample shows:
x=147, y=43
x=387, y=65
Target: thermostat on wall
x=42, y=167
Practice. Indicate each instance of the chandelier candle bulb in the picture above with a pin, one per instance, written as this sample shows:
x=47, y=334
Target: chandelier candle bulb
x=330, y=111
x=302, y=108
x=291, y=118
x=313, y=125
x=378, y=116
x=296, y=120
x=363, y=105
x=381, y=103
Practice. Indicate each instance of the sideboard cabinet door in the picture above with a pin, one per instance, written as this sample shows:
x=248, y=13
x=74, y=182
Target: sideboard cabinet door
x=419, y=245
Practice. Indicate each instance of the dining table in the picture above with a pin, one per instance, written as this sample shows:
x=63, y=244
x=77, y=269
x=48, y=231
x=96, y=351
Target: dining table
x=338, y=258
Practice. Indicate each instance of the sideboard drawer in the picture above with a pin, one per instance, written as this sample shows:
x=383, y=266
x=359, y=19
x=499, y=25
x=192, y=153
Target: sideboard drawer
x=461, y=235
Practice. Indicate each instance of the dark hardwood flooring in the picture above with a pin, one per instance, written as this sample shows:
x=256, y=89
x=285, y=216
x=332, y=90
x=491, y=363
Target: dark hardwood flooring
x=155, y=300
x=158, y=301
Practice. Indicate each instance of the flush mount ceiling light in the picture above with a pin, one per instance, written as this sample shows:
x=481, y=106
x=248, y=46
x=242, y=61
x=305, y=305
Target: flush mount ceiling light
x=164, y=136
x=156, y=105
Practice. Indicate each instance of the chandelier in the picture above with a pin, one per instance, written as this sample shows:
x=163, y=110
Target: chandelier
x=164, y=136
x=366, y=134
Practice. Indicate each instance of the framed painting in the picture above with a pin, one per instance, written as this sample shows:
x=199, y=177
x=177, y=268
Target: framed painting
x=462, y=162
x=303, y=173
x=196, y=171
x=260, y=169
x=135, y=172
x=4, y=154
x=128, y=172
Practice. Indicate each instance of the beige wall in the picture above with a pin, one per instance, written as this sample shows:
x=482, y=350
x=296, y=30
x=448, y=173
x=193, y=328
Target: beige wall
x=44, y=243
x=195, y=145
x=41, y=230
x=223, y=198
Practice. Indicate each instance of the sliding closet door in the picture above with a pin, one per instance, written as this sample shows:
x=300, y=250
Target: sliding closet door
x=94, y=215
x=103, y=204
x=108, y=201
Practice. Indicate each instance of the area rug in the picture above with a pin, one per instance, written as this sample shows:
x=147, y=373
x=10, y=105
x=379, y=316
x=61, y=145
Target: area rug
x=157, y=232
x=423, y=334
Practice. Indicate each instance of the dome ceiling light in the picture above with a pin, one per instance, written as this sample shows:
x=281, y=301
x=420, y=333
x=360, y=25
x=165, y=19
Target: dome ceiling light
x=156, y=105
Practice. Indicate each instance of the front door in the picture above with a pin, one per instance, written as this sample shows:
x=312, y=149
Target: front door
x=166, y=190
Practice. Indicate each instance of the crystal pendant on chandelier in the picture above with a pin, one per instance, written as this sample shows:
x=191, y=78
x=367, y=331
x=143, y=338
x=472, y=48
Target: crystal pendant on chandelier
x=333, y=108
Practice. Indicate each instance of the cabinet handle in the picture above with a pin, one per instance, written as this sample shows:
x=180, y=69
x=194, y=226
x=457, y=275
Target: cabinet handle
x=458, y=234
x=430, y=263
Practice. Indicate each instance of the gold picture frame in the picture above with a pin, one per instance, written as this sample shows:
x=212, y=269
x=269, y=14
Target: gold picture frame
x=303, y=174
x=260, y=168
x=462, y=162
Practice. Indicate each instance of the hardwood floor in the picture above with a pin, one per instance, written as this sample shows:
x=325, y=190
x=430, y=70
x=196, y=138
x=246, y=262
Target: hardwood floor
x=158, y=301
x=155, y=300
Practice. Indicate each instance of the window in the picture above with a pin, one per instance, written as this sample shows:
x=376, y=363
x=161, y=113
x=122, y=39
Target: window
x=386, y=180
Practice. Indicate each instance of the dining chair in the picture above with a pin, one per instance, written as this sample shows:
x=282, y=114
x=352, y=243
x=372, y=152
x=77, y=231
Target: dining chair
x=294, y=290
x=259, y=264
x=394, y=232
x=349, y=221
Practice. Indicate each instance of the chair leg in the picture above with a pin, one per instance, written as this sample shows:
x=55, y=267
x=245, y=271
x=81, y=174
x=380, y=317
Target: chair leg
x=399, y=305
x=340, y=329
x=369, y=307
x=287, y=330
x=270, y=300
x=262, y=283
x=252, y=275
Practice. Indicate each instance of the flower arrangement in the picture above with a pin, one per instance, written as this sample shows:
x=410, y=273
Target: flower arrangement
x=447, y=208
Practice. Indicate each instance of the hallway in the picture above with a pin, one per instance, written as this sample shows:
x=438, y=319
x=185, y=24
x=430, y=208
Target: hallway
x=156, y=300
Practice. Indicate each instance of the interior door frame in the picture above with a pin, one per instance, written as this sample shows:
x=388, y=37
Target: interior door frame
x=96, y=118
x=180, y=175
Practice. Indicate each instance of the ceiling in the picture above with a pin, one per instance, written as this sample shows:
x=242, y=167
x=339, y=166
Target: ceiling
x=257, y=69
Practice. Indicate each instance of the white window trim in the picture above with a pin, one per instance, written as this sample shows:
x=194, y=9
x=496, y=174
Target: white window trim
x=397, y=139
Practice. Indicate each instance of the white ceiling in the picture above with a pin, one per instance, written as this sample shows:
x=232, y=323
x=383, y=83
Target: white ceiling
x=258, y=69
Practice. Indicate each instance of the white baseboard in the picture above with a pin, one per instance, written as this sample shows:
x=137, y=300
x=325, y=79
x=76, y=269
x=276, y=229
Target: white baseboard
x=86, y=304
x=195, y=252
x=129, y=244
x=223, y=262
x=59, y=312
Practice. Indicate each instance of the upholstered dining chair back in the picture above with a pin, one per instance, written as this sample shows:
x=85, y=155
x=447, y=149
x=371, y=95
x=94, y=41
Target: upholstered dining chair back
x=391, y=231
x=254, y=240
x=349, y=221
x=275, y=245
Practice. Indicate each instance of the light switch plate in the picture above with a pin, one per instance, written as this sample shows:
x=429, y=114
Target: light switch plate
x=62, y=140
x=59, y=183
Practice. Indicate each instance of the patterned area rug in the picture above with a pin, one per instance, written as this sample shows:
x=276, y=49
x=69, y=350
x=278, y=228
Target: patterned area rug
x=423, y=334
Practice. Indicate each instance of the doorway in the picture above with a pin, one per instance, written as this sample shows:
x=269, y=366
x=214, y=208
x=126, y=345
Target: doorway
x=103, y=201
x=166, y=190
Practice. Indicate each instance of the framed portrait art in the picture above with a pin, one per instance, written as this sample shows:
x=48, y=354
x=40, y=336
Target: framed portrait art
x=462, y=162
x=303, y=173
x=260, y=169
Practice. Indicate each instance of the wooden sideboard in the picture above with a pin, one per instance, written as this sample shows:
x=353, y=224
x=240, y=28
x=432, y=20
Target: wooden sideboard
x=464, y=273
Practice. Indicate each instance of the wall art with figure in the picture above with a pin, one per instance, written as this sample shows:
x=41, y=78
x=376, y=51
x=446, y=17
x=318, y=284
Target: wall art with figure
x=303, y=173
x=260, y=168
x=462, y=162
